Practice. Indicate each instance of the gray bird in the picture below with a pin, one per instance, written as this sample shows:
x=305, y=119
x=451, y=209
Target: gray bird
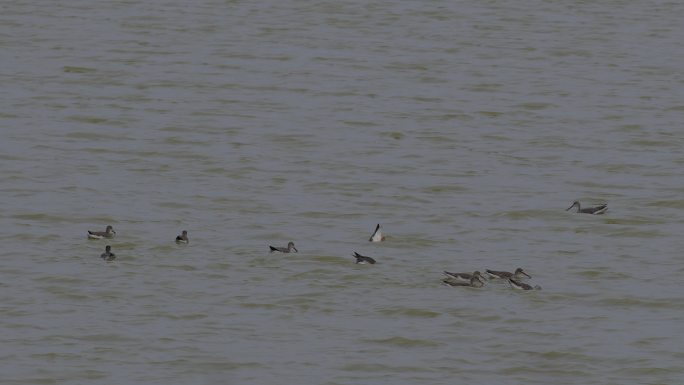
x=462, y=277
x=515, y=284
x=108, y=233
x=518, y=274
x=474, y=282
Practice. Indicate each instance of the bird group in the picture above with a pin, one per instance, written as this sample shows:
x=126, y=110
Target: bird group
x=183, y=239
x=515, y=279
x=475, y=279
x=109, y=234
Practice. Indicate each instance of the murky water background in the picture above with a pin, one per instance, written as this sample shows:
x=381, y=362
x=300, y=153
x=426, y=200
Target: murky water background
x=465, y=128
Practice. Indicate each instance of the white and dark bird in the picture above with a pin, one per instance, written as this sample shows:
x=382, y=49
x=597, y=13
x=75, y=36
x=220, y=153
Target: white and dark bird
x=474, y=281
x=515, y=284
x=518, y=274
x=288, y=249
x=183, y=238
x=596, y=210
x=377, y=235
x=362, y=259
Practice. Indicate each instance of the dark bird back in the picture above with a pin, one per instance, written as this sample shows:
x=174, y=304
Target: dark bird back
x=363, y=259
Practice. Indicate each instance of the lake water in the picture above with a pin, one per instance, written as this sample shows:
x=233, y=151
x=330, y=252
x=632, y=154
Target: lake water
x=465, y=128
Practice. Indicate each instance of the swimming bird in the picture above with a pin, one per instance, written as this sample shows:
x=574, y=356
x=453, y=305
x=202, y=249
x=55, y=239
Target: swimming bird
x=183, y=238
x=108, y=255
x=362, y=259
x=108, y=233
x=474, y=281
x=377, y=235
x=518, y=274
x=462, y=277
x=515, y=284
x=288, y=249
x=600, y=209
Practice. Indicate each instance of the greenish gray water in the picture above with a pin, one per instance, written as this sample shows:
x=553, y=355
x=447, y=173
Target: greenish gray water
x=465, y=128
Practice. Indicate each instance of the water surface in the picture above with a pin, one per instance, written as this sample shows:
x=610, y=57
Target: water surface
x=464, y=128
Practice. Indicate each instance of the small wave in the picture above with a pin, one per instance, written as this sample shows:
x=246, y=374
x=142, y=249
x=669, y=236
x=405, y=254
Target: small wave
x=332, y=259
x=37, y=381
x=219, y=266
x=445, y=189
x=654, y=143
x=180, y=267
x=674, y=204
x=78, y=70
x=404, y=342
x=222, y=365
x=410, y=312
x=603, y=274
x=524, y=214
x=393, y=135
x=633, y=233
x=103, y=337
x=311, y=274
x=662, y=303
x=484, y=87
x=550, y=372
x=61, y=279
x=653, y=371
x=174, y=205
x=65, y=293
x=535, y=106
x=93, y=120
x=95, y=135
x=174, y=316
x=252, y=305
x=41, y=217
x=560, y=356
x=384, y=368
x=491, y=114
x=632, y=221
x=358, y=123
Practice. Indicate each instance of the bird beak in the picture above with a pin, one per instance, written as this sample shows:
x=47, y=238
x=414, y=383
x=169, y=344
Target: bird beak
x=527, y=275
x=573, y=205
x=295, y=249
